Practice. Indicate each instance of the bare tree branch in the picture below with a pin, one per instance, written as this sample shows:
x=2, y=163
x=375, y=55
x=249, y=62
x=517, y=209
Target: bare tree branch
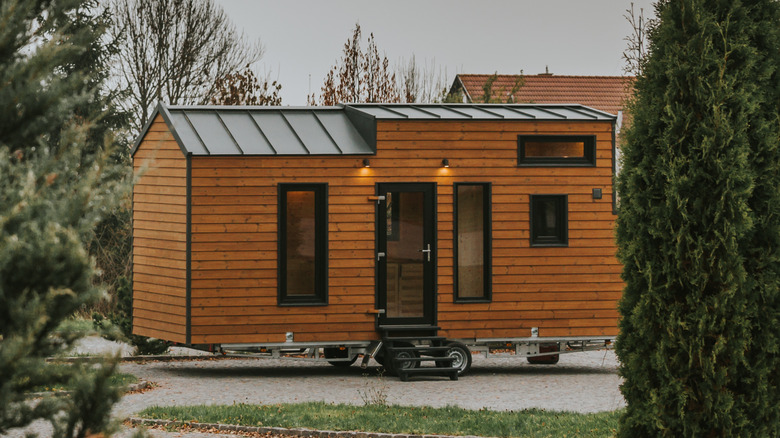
x=359, y=76
x=637, y=48
x=421, y=84
x=175, y=51
x=244, y=88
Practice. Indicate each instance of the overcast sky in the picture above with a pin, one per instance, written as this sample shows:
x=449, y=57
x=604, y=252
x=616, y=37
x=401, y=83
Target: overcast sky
x=304, y=39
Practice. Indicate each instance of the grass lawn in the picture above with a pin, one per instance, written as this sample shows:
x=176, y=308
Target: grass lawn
x=399, y=419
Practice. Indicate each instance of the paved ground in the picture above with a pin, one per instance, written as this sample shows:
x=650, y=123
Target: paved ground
x=580, y=382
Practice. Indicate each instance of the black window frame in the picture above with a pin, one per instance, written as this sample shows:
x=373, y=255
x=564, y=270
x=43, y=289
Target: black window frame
x=562, y=234
x=487, y=226
x=589, y=152
x=320, y=297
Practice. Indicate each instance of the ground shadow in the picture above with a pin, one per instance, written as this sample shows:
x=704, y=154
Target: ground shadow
x=260, y=368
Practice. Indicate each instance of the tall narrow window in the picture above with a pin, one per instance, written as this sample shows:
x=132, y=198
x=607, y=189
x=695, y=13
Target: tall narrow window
x=549, y=220
x=556, y=150
x=303, y=244
x=472, y=241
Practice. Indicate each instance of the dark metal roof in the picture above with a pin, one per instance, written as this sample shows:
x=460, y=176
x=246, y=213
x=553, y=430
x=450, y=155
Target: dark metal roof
x=242, y=130
x=459, y=111
x=339, y=130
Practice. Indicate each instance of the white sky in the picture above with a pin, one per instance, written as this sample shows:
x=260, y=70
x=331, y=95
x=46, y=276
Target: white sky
x=306, y=37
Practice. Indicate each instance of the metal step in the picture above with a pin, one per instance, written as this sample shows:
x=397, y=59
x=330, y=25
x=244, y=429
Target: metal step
x=424, y=359
x=398, y=328
x=420, y=349
x=450, y=372
x=410, y=339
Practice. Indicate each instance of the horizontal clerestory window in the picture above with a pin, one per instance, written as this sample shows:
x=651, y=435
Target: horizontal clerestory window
x=556, y=150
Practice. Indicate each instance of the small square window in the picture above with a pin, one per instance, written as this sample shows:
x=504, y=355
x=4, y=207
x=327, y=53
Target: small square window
x=549, y=220
x=556, y=150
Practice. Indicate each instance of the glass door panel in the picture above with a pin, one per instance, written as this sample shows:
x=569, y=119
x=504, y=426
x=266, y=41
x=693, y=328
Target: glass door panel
x=406, y=253
x=405, y=285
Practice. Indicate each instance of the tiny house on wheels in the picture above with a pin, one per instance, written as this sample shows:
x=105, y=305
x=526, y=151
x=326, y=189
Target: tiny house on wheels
x=414, y=234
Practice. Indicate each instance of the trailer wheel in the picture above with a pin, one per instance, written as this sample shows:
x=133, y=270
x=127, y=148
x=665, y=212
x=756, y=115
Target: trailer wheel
x=550, y=359
x=337, y=353
x=462, y=356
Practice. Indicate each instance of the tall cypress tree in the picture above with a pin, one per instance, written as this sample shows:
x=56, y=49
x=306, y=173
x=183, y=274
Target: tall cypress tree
x=762, y=246
x=698, y=225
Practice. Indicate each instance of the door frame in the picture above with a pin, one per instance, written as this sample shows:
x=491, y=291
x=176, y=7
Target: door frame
x=430, y=291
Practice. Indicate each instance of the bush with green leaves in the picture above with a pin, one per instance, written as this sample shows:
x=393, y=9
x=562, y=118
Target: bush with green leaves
x=57, y=181
x=699, y=225
x=121, y=317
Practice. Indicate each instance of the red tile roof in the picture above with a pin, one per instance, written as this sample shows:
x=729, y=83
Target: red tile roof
x=605, y=93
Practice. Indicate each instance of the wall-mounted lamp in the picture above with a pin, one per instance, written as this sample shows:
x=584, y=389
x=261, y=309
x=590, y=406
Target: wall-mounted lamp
x=445, y=163
x=366, y=163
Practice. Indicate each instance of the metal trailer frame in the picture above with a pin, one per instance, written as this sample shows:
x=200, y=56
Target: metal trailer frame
x=489, y=347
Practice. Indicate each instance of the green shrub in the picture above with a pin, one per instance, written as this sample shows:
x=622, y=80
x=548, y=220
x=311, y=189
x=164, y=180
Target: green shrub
x=699, y=227
x=122, y=318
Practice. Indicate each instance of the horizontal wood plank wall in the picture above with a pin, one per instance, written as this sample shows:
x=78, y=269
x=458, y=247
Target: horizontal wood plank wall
x=563, y=291
x=159, y=236
x=570, y=291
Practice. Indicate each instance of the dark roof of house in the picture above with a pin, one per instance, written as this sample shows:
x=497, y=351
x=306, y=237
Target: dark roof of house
x=605, y=93
x=348, y=129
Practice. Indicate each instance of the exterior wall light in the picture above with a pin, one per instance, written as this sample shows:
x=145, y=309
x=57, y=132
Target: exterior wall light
x=445, y=163
x=366, y=162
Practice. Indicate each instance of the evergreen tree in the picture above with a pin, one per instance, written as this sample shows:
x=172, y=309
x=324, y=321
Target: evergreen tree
x=698, y=225
x=56, y=183
x=762, y=246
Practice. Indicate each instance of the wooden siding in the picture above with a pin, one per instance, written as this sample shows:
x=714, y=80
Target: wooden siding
x=159, y=236
x=568, y=291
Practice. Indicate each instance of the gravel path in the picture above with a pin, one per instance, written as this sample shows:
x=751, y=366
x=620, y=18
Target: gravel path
x=580, y=382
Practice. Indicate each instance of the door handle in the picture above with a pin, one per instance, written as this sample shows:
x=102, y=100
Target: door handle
x=379, y=256
x=426, y=251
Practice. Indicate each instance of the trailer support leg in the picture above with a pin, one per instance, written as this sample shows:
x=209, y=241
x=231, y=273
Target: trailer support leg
x=371, y=351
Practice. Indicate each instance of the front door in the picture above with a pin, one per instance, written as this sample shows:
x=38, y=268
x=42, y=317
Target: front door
x=406, y=253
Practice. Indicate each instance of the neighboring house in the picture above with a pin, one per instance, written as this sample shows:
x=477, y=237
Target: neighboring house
x=605, y=93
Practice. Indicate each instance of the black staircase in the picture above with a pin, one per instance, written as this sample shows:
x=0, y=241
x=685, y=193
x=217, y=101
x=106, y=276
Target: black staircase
x=412, y=350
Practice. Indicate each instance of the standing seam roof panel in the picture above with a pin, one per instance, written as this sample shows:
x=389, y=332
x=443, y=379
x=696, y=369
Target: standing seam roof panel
x=246, y=133
x=279, y=134
x=314, y=137
x=447, y=113
x=380, y=113
x=344, y=133
x=187, y=134
x=213, y=133
x=547, y=114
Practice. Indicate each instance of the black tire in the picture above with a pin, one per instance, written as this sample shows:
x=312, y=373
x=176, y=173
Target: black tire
x=462, y=356
x=337, y=353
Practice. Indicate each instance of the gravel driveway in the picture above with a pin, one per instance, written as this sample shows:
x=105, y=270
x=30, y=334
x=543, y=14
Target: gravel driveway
x=580, y=382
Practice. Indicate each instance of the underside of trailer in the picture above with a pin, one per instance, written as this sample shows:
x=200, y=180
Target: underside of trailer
x=408, y=356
